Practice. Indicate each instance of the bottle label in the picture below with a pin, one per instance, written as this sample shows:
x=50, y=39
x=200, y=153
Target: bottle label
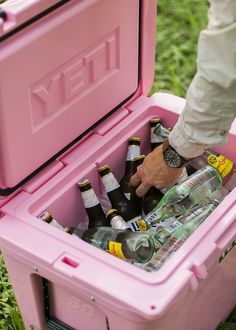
x=55, y=224
x=155, y=138
x=119, y=223
x=127, y=195
x=134, y=223
x=89, y=198
x=221, y=163
x=110, y=182
x=142, y=225
x=115, y=248
x=173, y=226
x=133, y=152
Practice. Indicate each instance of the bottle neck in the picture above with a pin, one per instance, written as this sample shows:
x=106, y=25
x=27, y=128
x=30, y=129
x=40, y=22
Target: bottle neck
x=133, y=152
x=110, y=183
x=89, y=198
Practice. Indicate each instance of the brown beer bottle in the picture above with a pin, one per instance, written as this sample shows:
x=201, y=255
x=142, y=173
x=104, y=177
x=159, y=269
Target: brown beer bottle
x=155, y=140
x=153, y=196
x=48, y=218
x=126, y=208
x=116, y=220
x=92, y=205
x=130, y=166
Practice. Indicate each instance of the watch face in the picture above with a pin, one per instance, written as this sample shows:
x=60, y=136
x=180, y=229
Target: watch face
x=172, y=158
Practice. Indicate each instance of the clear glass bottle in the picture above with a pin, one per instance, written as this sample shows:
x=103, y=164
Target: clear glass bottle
x=92, y=205
x=130, y=166
x=126, y=208
x=124, y=244
x=178, y=237
x=48, y=218
x=116, y=220
x=224, y=165
x=184, y=196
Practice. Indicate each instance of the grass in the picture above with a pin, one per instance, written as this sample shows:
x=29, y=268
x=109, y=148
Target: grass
x=178, y=26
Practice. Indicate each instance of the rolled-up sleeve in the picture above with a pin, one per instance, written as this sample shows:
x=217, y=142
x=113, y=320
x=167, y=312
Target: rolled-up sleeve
x=211, y=98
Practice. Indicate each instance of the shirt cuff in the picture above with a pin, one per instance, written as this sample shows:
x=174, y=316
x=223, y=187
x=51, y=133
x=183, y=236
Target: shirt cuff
x=182, y=144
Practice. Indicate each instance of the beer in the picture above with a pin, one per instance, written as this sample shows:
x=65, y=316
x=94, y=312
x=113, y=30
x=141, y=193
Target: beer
x=158, y=133
x=178, y=237
x=116, y=220
x=92, y=205
x=155, y=140
x=136, y=247
x=126, y=208
x=184, y=196
x=48, y=218
x=130, y=166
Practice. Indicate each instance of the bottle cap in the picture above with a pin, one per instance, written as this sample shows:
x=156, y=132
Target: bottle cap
x=154, y=121
x=142, y=225
x=46, y=216
x=111, y=212
x=134, y=140
x=104, y=170
x=84, y=185
x=139, y=160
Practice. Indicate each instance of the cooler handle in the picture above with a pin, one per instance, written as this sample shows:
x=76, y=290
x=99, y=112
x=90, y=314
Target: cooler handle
x=52, y=323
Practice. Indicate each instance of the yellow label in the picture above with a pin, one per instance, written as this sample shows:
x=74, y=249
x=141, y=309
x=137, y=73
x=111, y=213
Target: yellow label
x=142, y=225
x=115, y=248
x=221, y=163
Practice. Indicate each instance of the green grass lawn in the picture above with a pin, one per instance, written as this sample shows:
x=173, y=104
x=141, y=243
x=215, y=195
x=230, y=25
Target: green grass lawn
x=178, y=26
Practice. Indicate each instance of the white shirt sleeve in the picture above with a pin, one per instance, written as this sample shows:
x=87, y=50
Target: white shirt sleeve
x=211, y=99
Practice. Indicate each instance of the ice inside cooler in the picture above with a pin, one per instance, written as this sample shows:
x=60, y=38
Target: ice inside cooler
x=106, y=145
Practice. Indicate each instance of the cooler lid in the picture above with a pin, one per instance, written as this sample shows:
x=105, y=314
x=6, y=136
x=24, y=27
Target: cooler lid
x=64, y=66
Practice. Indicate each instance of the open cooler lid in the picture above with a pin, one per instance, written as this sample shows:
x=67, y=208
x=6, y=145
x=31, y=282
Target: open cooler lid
x=65, y=69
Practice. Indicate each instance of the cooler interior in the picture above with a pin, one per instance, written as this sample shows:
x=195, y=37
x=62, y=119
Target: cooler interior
x=107, y=144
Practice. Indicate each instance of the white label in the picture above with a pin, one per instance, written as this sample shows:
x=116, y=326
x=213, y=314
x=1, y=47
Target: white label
x=127, y=195
x=173, y=226
x=133, y=152
x=155, y=138
x=119, y=223
x=55, y=224
x=110, y=182
x=89, y=198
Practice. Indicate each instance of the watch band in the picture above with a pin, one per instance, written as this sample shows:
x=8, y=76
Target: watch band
x=166, y=146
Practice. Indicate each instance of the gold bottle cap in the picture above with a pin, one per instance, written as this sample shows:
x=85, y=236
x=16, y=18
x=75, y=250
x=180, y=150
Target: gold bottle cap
x=111, y=212
x=133, y=138
x=102, y=168
x=155, y=120
x=83, y=183
x=142, y=225
x=140, y=157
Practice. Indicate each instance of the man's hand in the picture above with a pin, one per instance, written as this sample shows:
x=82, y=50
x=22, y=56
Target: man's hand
x=154, y=172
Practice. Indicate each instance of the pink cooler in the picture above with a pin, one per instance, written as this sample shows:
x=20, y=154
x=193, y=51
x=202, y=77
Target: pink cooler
x=73, y=84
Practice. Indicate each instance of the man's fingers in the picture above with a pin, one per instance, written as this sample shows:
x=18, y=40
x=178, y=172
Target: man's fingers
x=135, y=180
x=142, y=190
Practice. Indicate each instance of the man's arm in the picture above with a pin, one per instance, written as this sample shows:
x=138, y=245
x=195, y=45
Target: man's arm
x=210, y=103
x=211, y=98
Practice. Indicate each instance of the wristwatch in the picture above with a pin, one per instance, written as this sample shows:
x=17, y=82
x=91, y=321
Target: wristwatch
x=172, y=157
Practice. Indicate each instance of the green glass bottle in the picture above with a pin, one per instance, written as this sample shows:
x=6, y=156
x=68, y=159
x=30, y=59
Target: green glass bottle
x=184, y=196
x=178, y=237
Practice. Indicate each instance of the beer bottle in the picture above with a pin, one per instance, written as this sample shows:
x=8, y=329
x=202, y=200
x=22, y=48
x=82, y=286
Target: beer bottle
x=178, y=237
x=116, y=220
x=92, y=205
x=130, y=166
x=155, y=140
x=126, y=208
x=184, y=196
x=48, y=218
x=153, y=196
x=158, y=133
x=124, y=244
